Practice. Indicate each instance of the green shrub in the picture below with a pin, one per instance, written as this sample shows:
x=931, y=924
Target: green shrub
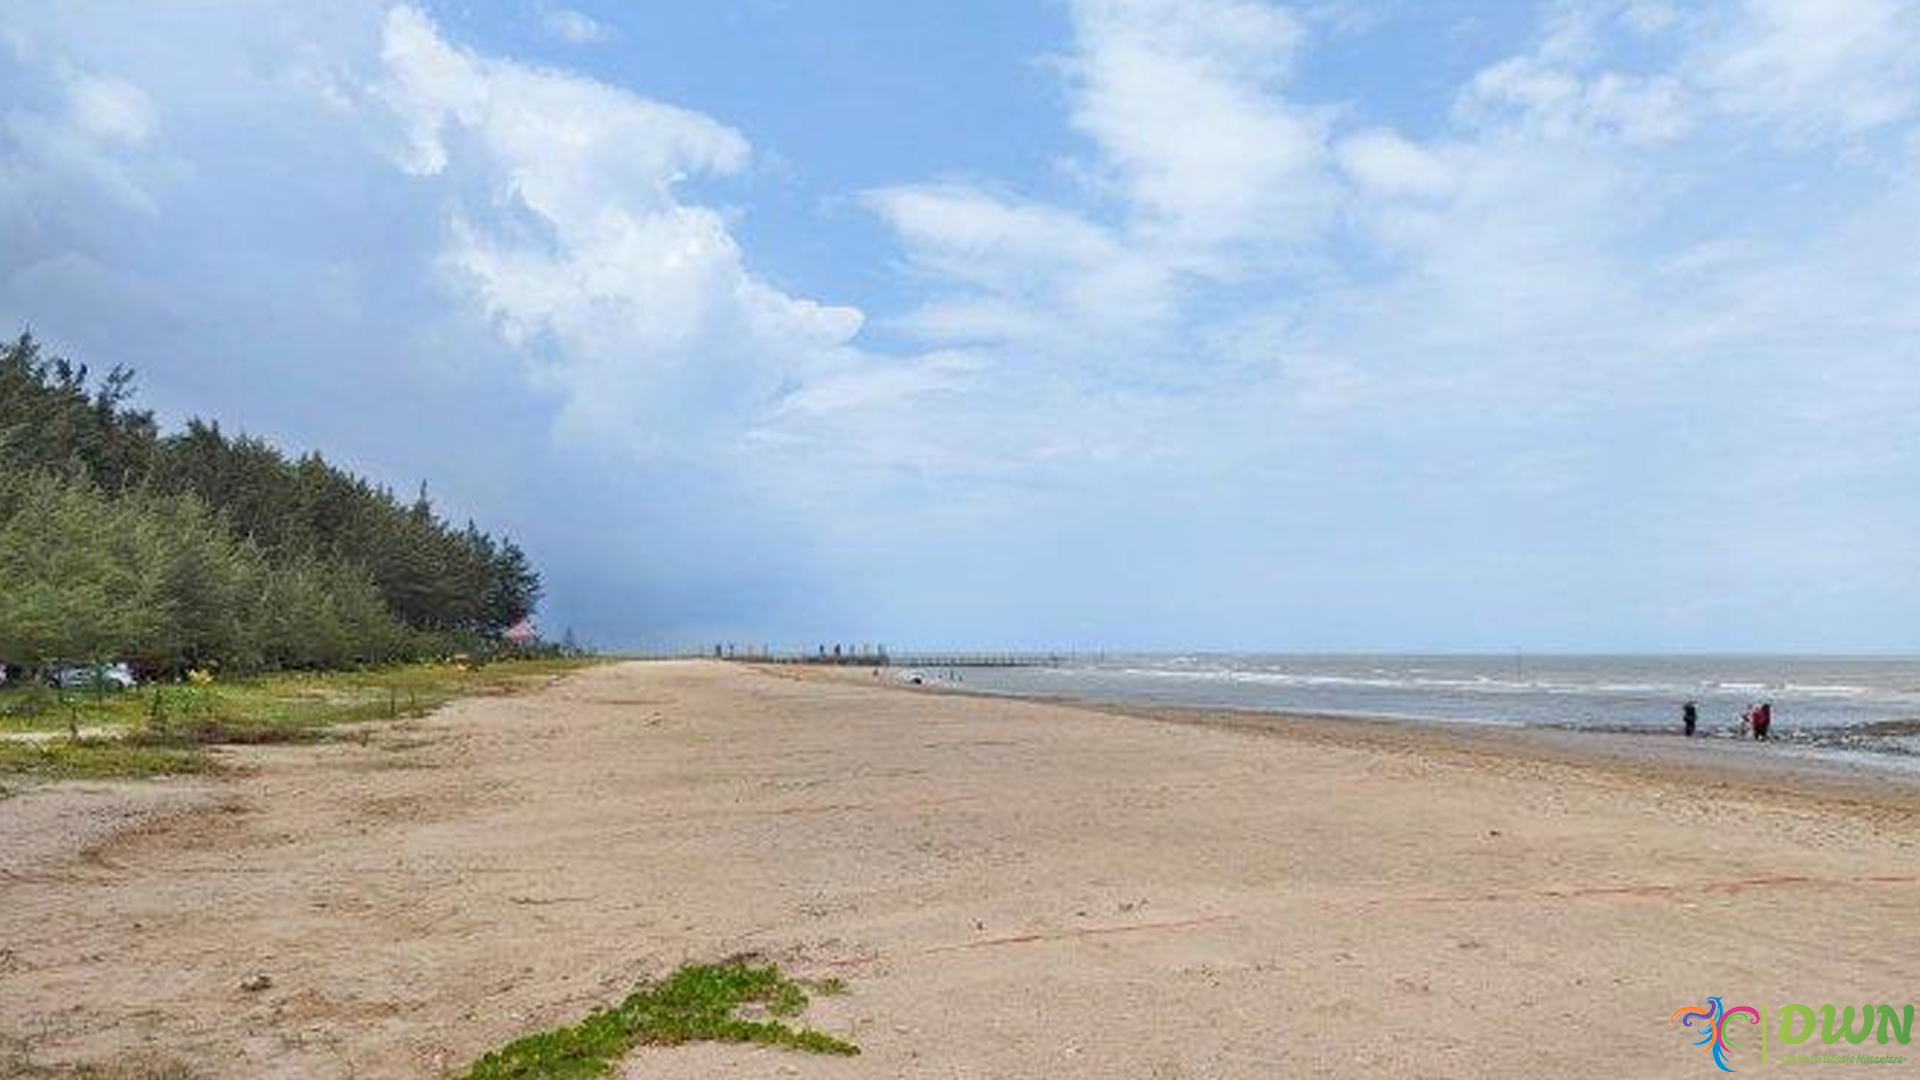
x=698, y=1003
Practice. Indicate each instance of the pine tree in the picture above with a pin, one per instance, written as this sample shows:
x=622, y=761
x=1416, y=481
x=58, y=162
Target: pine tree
x=200, y=547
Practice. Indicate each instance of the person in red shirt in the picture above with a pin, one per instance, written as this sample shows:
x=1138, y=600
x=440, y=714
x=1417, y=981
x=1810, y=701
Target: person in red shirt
x=1763, y=720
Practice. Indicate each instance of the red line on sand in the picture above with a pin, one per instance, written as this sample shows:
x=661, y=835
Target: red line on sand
x=1087, y=931
x=1731, y=886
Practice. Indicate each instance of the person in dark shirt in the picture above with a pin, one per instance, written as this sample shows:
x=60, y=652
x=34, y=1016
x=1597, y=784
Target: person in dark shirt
x=1690, y=717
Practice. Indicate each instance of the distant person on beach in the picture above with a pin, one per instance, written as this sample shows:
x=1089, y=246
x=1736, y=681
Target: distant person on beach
x=1763, y=721
x=1690, y=717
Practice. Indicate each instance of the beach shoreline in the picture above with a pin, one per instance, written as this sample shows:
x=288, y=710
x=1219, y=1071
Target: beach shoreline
x=1007, y=888
x=1833, y=705
x=1717, y=760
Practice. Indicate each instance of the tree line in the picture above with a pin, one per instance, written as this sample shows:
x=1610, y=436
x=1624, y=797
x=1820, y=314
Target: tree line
x=200, y=548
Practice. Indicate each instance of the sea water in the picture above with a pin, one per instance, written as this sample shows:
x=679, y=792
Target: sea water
x=1817, y=697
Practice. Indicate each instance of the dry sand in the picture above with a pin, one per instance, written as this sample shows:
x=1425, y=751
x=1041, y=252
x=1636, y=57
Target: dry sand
x=1010, y=889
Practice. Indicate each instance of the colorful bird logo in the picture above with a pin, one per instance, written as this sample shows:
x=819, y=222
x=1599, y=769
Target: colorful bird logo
x=1714, y=1020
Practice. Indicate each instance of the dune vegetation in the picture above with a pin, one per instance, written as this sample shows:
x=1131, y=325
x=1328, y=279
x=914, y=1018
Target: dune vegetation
x=161, y=729
x=201, y=550
x=698, y=1003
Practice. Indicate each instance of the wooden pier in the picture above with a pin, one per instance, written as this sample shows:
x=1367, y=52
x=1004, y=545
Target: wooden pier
x=883, y=659
x=978, y=660
x=861, y=656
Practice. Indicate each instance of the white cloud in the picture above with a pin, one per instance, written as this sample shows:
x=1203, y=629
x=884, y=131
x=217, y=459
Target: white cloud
x=1556, y=102
x=1021, y=272
x=1650, y=16
x=969, y=234
x=634, y=303
x=574, y=27
x=1382, y=161
x=1211, y=171
x=877, y=392
x=1619, y=301
x=109, y=109
x=91, y=136
x=565, y=142
x=1180, y=97
x=1816, y=69
x=1492, y=296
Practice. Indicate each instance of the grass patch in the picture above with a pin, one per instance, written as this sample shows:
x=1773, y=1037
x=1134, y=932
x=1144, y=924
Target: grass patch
x=698, y=1003
x=160, y=729
x=95, y=759
x=831, y=986
x=288, y=699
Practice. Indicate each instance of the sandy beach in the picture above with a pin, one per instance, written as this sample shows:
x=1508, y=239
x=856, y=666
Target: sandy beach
x=1009, y=889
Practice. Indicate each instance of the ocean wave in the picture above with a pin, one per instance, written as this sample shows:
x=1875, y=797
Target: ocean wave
x=1638, y=693
x=1490, y=684
x=1823, y=690
x=1485, y=684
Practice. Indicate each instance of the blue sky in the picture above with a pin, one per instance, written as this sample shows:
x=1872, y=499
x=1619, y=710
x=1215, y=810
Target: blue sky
x=1584, y=325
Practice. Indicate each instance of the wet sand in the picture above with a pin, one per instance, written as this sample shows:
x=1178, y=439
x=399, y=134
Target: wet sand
x=1008, y=888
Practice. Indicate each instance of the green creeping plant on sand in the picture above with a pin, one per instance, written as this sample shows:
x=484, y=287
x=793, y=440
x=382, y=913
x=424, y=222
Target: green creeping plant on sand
x=694, y=1004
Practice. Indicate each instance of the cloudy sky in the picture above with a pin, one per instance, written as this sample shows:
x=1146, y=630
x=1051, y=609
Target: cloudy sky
x=1036, y=323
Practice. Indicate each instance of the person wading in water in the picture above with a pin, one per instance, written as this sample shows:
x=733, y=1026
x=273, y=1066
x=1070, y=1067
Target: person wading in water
x=1690, y=717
